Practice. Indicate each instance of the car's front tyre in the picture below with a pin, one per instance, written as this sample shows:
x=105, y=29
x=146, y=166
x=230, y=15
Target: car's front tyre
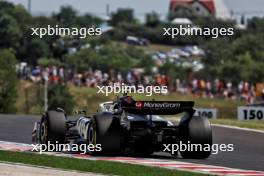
x=53, y=127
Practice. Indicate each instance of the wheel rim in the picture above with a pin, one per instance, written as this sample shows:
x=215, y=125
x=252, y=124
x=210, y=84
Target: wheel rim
x=43, y=132
x=92, y=135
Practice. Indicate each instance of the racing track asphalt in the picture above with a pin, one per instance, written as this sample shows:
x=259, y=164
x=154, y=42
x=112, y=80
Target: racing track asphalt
x=248, y=153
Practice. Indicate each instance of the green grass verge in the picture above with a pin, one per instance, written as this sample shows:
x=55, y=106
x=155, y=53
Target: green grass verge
x=104, y=167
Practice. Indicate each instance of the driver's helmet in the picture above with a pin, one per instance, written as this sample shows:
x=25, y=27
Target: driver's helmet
x=126, y=101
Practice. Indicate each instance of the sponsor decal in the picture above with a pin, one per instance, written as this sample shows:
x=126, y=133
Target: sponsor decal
x=164, y=105
x=139, y=104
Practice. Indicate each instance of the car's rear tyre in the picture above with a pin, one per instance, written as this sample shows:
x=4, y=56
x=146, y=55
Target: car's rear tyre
x=107, y=128
x=92, y=133
x=143, y=146
x=196, y=131
x=92, y=137
x=53, y=127
x=143, y=151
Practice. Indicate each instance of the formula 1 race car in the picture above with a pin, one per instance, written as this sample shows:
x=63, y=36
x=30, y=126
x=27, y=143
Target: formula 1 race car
x=128, y=126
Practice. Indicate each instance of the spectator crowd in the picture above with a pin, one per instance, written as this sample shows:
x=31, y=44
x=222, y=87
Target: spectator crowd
x=92, y=78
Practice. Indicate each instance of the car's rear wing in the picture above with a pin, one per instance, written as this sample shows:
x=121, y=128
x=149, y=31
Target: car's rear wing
x=158, y=107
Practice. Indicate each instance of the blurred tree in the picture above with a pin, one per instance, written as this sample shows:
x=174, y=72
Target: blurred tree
x=4, y=5
x=152, y=19
x=219, y=51
x=36, y=48
x=88, y=20
x=10, y=33
x=49, y=62
x=237, y=60
x=8, y=81
x=212, y=22
x=66, y=16
x=107, y=57
x=256, y=24
x=15, y=22
x=123, y=15
x=252, y=43
x=18, y=12
x=59, y=96
x=242, y=68
x=174, y=71
x=21, y=15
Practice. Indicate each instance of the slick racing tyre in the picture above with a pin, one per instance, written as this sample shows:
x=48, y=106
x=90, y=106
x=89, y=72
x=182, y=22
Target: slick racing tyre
x=196, y=131
x=143, y=148
x=92, y=135
x=107, y=128
x=53, y=127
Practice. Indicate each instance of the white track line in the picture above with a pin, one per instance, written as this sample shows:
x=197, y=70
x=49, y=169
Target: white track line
x=238, y=128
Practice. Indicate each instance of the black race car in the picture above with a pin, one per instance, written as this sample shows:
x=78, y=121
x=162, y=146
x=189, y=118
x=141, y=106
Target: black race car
x=126, y=126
